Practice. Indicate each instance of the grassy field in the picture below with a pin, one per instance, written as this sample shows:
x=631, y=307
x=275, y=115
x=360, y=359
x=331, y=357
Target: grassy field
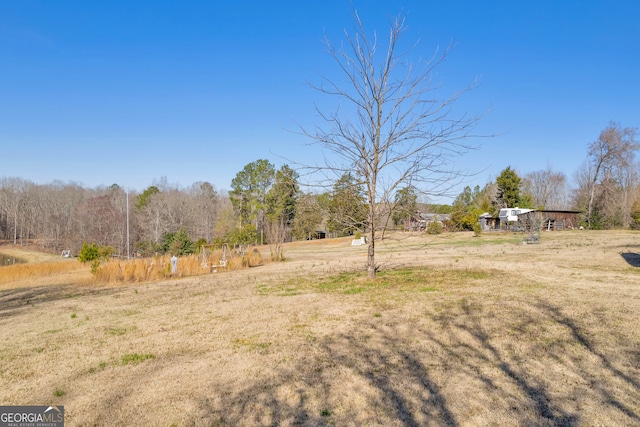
x=455, y=331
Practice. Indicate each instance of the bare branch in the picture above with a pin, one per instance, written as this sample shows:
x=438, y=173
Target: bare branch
x=390, y=129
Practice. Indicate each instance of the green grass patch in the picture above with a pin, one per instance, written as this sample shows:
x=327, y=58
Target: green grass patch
x=131, y=312
x=136, y=358
x=289, y=288
x=100, y=367
x=416, y=280
x=400, y=280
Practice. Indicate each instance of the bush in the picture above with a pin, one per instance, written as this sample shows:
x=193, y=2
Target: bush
x=88, y=252
x=94, y=253
x=477, y=229
x=178, y=243
x=435, y=227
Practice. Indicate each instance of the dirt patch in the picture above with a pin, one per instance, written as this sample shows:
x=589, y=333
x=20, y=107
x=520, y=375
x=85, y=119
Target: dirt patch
x=457, y=331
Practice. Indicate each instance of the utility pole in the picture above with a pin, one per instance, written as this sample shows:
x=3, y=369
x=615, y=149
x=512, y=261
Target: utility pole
x=128, y=253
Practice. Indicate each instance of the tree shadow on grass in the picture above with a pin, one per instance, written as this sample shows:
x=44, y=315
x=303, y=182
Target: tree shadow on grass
x=354, y=379
x=455, y=370
x=632, y=259
x=534, y=392
x=13, y=301
x=613, y=373
x=403, y=384
x=468, y=364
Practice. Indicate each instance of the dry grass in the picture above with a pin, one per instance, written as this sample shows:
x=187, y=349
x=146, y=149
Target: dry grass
x=38, y=265
x=42, y=266
x=457, y=331
x=138, y=270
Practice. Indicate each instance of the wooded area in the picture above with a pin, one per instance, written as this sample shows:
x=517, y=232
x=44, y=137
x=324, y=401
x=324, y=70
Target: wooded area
x=60, y=216
x=267, y=206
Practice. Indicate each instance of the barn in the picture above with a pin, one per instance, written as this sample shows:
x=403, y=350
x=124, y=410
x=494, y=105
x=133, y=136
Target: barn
x=538, y=219
x=420, y=221
x=550, y=220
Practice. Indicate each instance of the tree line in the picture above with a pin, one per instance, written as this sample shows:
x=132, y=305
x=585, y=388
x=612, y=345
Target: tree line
x=264, y=206
x=267, y=206
x=60, y=216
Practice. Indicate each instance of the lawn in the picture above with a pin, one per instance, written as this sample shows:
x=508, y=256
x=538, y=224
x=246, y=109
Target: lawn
x=456, y=330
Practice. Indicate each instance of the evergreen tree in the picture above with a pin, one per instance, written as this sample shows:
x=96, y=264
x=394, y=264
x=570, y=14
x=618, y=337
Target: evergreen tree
x=405, y=205
x=509, y=193
x=308, y=216
x=347, y=210
x=282, y=197
x=468, y=206
x=249, y=191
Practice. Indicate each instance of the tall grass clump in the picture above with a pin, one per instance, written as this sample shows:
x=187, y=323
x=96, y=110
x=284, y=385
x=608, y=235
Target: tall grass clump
x=252, y=259
x=13, y=273
x=159, y=267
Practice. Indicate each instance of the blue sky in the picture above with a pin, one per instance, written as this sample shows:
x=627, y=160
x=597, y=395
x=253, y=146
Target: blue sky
x=128, y=92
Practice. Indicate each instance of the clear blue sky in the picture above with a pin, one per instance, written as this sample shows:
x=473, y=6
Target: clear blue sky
x=131, y=91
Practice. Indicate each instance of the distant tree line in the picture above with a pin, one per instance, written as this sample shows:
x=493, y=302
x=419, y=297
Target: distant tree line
x=264, y=206
x=61, y=215
x=267, y=206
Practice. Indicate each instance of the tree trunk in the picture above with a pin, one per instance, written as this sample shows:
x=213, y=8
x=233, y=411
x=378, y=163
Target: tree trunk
x=371, y=258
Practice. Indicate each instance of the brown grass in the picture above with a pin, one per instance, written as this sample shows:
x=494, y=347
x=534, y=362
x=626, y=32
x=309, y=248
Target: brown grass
x=118, y=271
x=38, y=265
x=456, y=330
x=138, y=270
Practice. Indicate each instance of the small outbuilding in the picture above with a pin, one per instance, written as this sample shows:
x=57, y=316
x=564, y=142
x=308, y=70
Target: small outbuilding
x=489, y=222
x=320, y=234
x=550, y=220
x=420, y=221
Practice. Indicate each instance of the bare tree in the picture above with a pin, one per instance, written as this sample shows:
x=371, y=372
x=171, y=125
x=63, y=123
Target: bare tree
x=610, y=157
x=205, y=201
x=393, y=131
x=226, y=221
x=17, y=204
x=547, y=187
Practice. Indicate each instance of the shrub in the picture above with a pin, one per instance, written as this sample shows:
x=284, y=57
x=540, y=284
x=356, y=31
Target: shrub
x=435, y=227
x=88, y=252
x=95, y=254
